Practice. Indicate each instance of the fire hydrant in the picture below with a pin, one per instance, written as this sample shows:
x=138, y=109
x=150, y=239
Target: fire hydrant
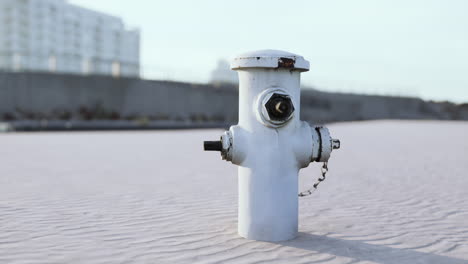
x=270, y=143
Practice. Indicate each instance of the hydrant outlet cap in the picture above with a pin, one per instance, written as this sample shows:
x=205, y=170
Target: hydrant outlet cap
x=275, y=59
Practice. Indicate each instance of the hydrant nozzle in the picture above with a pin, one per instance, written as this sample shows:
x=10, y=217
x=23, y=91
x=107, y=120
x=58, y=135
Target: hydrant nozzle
x=270, y=144
x=212, y=145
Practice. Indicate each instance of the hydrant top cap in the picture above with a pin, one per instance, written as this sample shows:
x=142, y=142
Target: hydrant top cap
x=275, y=59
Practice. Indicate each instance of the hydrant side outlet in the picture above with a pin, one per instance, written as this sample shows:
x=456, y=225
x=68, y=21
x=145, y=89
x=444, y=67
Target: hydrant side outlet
x=270, y=144
x=213, y=146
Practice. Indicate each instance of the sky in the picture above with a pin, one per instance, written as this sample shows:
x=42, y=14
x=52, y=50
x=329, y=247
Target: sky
x=390, y=47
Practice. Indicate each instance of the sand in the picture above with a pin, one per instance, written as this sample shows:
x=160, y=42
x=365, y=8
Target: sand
x=397, y=192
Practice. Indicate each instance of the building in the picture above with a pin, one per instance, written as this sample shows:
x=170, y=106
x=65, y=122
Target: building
x=223, y=74
x=53, y=35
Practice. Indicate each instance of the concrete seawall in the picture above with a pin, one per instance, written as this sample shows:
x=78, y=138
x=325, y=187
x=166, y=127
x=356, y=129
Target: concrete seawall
x=45, y=96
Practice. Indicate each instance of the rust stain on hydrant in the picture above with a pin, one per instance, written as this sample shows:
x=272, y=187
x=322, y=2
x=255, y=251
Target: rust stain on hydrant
x=286, y=63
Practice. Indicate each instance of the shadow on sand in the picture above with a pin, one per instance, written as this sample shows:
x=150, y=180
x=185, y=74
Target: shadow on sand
x=359, y=250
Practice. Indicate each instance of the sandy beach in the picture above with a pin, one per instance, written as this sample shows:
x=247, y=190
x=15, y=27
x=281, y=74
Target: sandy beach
x=396, y=192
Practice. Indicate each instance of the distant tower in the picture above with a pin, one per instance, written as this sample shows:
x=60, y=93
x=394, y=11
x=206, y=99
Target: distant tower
x=223, y=74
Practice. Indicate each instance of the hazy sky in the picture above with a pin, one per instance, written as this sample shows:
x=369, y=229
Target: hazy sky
x=410, y=47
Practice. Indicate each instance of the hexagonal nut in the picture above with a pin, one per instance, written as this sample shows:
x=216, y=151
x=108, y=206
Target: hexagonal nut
x=280, y=108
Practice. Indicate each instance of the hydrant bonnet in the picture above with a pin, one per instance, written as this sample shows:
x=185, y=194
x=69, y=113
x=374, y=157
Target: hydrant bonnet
x=275, y=59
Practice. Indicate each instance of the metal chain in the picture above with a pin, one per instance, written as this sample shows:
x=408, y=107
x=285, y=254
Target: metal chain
x=310, y=191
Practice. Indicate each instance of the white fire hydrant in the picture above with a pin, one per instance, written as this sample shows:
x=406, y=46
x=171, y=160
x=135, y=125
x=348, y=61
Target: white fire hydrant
x=271, y=144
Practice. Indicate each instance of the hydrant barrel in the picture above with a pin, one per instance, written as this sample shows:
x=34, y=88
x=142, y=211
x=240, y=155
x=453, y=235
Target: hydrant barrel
x=269, y=82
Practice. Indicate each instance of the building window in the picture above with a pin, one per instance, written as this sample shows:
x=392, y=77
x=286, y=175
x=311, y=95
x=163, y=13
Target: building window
x=52, y=63
x=116, y=69
x=17, y=62
x=86, y=66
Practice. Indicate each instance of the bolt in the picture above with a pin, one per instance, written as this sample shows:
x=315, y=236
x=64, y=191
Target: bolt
x=279, y=107
x=336, y=143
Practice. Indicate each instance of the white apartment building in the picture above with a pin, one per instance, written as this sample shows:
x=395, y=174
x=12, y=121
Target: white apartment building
x=53, y=35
